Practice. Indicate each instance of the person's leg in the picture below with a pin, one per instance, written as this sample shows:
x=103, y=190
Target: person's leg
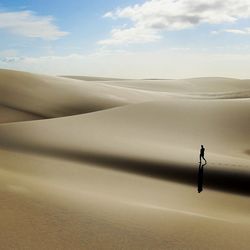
x=200, y=158
x=204, y=159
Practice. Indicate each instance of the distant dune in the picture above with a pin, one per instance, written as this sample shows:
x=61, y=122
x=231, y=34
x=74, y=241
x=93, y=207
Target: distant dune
x=115, y=166
x=49, y=97
x=92, y=78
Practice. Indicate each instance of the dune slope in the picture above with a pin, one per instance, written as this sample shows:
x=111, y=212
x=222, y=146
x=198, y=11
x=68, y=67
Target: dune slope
x=60, y=204
x=116, y=165
x=155, y=133
x=48, y=97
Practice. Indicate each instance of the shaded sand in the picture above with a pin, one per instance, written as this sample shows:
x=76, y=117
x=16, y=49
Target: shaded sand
x=49, y=97
x=54, y=204
x=13, y=115
x=149, y=138
x=125, y=175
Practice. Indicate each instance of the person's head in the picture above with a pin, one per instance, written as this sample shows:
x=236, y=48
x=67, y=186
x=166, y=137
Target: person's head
x=201, y=146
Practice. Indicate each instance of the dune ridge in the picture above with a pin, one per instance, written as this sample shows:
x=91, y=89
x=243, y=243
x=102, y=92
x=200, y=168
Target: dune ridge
x=99, y=163
x=92, y=78
x=49, y=97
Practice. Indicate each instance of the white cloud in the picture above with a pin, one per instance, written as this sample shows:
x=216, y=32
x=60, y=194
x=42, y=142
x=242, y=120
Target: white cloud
x=28, y=24
x=152, y=17
x=131, y=35
x=245, y=31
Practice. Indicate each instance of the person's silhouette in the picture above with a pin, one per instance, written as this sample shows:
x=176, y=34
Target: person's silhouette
x=202, y=153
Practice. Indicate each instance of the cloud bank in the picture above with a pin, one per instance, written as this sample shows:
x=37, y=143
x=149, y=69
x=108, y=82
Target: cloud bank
x=152, y=17
x=28, y=24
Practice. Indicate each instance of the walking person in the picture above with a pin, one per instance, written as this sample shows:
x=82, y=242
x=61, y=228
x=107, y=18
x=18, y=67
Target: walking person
x=202, y=154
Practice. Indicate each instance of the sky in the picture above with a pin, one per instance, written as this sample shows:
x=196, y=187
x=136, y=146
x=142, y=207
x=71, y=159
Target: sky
x=127, y=38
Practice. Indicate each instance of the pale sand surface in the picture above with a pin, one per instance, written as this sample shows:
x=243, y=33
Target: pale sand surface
x=122, y=173
x=54, y=204
x=49, y=97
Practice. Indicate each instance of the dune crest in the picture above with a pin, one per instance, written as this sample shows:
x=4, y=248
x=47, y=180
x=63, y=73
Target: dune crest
x=99, y=163
x=40, y=96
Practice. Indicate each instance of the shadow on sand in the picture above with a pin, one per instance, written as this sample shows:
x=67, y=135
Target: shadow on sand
x=233, y=181
x=200, y=176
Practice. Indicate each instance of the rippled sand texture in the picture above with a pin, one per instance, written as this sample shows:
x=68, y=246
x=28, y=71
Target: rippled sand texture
x=102, y=163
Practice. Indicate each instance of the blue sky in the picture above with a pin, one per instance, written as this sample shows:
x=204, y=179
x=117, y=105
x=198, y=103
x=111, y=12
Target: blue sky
x=82, y=19
x=126, y=38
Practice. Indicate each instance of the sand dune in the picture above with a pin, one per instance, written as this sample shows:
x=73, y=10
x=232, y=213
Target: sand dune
x=49, y=97
x=55, y=204
x=156, y=133
x=93, y=78
x=12, y=114
x=116, y=165
x=203, y=85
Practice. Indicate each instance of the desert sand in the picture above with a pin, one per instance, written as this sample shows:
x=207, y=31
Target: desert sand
x=103, y=163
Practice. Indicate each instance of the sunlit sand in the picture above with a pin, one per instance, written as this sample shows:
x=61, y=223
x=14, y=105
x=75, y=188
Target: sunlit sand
x=103, y=163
